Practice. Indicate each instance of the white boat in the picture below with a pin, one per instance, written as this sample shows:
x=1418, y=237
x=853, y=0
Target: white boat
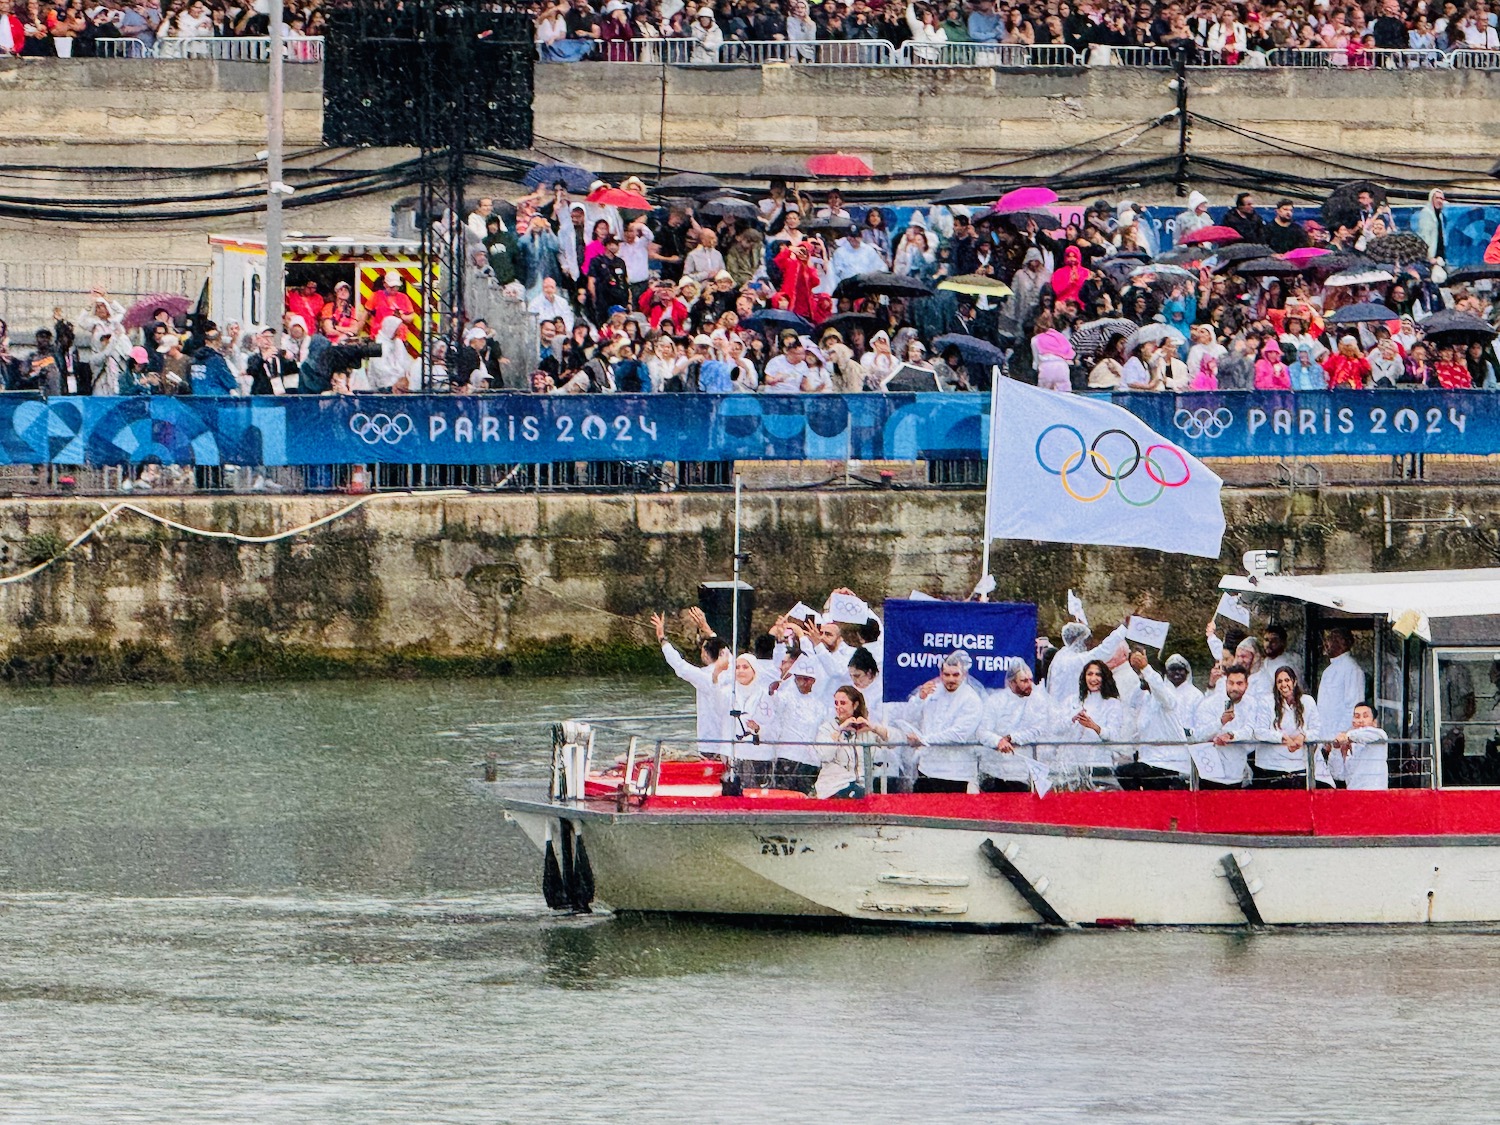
x=1427, y=850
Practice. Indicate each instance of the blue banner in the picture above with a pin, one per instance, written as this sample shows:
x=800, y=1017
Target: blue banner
x=536, y=429
x=918, y=633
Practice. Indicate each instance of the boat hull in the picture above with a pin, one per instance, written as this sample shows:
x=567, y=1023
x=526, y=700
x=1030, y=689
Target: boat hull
x=919, y=869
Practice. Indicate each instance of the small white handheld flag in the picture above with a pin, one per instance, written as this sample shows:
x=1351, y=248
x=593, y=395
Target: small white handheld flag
x=1075, y=609
x=1067, y=468
x=848, y=609
x=1231, y=607
x=1144, y=630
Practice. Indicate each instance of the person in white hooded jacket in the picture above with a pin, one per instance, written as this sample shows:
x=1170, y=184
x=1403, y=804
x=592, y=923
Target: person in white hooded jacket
x=391, y=370
x=711, y=682
x=1195, y=218
x=1068, y=661
x=1016, y=719
x=1162, y=760
x=941, y=725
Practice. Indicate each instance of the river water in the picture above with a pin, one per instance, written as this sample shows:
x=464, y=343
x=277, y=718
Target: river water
x=284, y=904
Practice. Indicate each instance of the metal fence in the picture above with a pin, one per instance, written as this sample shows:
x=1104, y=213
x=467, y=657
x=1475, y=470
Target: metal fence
x=226, y=49
x=30, y=291
x=830, y=52
x=986, y=55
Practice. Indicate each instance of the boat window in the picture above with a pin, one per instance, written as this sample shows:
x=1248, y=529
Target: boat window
x=1468, y=712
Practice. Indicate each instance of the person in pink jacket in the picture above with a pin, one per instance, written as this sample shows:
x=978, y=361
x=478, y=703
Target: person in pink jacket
x=1270, y=373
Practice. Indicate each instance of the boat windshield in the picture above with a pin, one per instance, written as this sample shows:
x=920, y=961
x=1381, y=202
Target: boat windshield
x=1468, y=703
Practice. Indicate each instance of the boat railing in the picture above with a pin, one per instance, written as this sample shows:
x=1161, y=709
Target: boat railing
x=1051, y=764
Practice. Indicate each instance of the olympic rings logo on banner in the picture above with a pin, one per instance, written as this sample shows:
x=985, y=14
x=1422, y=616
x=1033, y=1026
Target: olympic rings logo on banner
x=381, y=427
x=1113, y=469
x=1203, y=423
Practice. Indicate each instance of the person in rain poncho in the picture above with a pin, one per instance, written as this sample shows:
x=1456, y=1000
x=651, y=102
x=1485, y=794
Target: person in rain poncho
x=1095, y=715
x=105, y=319
x=711, y=682
x=1365, y=750
x=840, y=739
x=1015, y=720
x=895, y=765
x=1180, y=676
x=796, y=711
x=941, y=727
x=1062, y=674
x=391, y=369
x=747, y=695
x=1162, y=760
x=1195, y=218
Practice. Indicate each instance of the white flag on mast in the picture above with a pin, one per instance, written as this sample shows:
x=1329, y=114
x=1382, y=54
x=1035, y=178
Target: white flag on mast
x=1071, y=469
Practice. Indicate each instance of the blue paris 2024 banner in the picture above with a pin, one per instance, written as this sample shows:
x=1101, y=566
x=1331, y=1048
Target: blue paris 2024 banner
x=536, y=429
x=920, y=632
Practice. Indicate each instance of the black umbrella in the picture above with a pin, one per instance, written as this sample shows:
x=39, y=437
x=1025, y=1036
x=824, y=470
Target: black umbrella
x=1179, y=255
x=1089, y=339
x=1268, y=267
x=1472, y=273
x=1403, y=246
x=979, y=191
x=574, y=178
x=690, y=182
x=782, y=170
x=1341, y=208
x=846, y=323
x=724, y=206
x=1044, y=220
x=830, y=224
x=768, y=320
x=1450, y=320
x=1135, y=256
x=1363, y=313
x=1243, y=252
x=971, y=348
x=882, y=284
x=1339, y=261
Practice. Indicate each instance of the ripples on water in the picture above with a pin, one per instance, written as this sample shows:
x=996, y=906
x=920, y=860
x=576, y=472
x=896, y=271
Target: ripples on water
x=285, y=905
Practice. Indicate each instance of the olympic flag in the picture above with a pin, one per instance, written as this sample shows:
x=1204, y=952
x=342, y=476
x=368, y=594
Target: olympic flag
x=1070, y=469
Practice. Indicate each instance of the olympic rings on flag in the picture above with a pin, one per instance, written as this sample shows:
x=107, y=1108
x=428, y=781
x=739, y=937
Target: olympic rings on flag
x=1087, y=455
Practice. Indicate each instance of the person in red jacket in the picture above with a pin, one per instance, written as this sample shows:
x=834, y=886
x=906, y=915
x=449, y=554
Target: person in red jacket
x=1347, y=367
x=12, y=31
x=798, y=279
x=1492, y=251
x=1451, y=374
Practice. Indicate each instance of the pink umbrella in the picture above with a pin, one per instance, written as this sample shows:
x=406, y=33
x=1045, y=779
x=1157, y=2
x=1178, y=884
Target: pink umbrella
x=1026, y=199
x=1212, y=234
x=1304, y=254
x=1052, y=342
x=839, y=166
x=143, y=310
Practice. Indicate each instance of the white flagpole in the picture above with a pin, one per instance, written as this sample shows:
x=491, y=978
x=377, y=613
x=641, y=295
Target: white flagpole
x=734, y=628
x=989, y=475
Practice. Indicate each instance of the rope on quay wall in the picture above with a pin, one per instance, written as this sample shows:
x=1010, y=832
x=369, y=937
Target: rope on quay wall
x=113, y=512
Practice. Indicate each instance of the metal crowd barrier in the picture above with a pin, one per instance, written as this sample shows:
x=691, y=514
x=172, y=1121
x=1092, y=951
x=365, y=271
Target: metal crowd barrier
x=652, y=52
x=227, y=49
x=824, y=52
x=987, y=55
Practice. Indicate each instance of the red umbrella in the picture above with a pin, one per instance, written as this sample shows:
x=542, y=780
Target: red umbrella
x=838, y=165
x=1212, y=234
x=1026, y=199
x=143, y=310
x=618, y=197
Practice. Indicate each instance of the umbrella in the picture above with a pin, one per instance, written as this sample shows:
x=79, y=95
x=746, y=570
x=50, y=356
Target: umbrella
x=887, y=284
x=573, y=177
x=1152, y=334
x=1164, y=270
x=1044, y=220
x=1131, y=256
x=1363, y=313
x=1117, y=269
x=1340, y=260
x=976, y=284
x=1089, y=339
x=833, y=224
x=971, y=348
x=143, y=310
x=838, y=165
x=1304, y=254
x=846, y=323
x=1212, y=234
x=1358, y=277
x=1268, y=267
x=1403, y=246
x=1473, y=273
x=690, y=182
x=728, y=206
x=976, y=192
x=771, y=320
x=1244, y=252
x=909, y=378
x=782, y=170
x=618, y=197
x=1179, y=255
x=1449, y=320
x=1026, y=199
x=1341, y=208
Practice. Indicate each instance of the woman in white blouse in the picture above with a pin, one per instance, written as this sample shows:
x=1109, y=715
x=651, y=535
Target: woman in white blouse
x=1097, y=715
x=1281, y=756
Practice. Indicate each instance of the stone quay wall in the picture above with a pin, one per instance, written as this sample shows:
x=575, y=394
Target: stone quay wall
x=566, y=583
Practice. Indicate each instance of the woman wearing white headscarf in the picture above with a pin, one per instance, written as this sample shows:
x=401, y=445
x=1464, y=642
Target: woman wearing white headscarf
x=391, y=370
x=747, y=699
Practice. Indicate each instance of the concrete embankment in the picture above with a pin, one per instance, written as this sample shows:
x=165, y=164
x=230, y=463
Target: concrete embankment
x=564, y=583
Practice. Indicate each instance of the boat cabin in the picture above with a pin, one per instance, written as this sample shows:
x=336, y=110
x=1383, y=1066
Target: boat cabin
x=1429, y=643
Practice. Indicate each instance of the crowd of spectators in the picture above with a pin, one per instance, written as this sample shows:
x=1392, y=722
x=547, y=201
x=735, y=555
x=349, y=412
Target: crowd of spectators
x=75, y=28
x=1228, y=33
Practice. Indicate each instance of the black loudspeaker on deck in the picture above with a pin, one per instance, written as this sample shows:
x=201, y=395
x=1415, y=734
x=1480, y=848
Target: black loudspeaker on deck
x=428, y=74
